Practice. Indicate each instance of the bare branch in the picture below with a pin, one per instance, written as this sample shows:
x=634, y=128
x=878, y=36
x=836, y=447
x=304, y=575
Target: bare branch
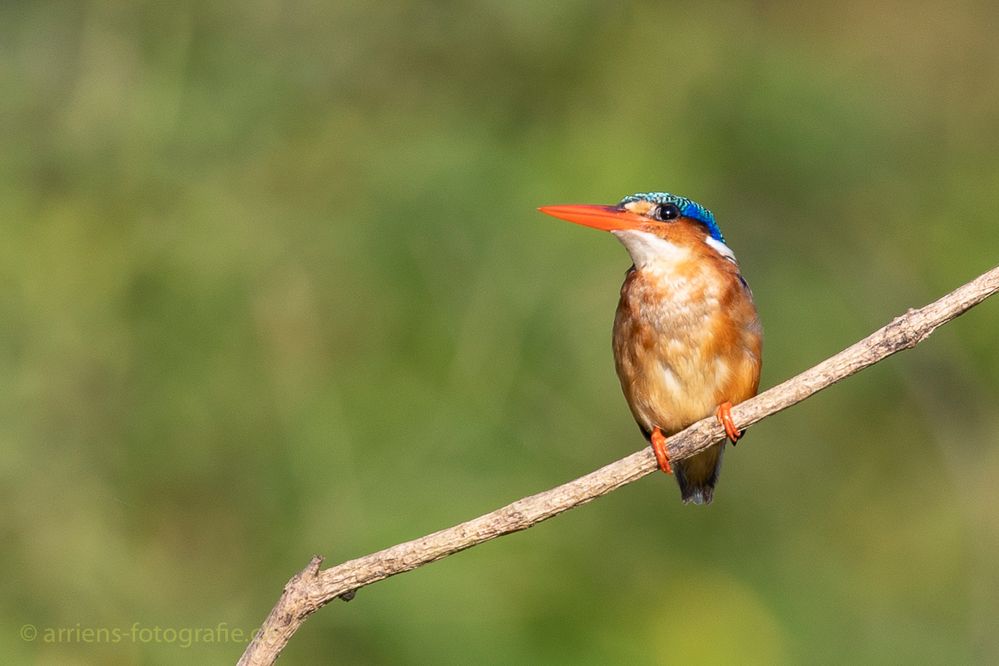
x=312, y=588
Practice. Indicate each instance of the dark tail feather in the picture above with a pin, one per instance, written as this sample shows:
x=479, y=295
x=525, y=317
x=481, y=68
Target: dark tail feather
x=698, y=475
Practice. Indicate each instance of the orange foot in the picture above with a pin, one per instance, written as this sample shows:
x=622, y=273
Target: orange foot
x=724, y=415
x=659, y=448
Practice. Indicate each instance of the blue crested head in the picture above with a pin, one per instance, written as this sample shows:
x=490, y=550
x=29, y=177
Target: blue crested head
x=688, y=208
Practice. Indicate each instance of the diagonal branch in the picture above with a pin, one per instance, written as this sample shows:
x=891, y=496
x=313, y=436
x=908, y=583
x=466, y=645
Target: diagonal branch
x=312, y=588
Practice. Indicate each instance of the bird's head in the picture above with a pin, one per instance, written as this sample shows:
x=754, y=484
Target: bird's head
x=655, y=227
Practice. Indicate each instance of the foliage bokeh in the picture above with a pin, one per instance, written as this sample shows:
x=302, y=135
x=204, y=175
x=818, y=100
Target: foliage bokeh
x=274, y=285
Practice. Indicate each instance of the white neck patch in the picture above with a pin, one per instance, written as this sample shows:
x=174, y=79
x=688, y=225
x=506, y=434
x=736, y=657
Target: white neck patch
x=720, y=248
x=649, y=252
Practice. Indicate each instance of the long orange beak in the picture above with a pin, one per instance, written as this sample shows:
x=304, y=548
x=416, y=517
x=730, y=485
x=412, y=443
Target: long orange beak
x=607, y=218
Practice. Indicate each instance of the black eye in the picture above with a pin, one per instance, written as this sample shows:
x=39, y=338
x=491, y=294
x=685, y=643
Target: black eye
x=667, y=211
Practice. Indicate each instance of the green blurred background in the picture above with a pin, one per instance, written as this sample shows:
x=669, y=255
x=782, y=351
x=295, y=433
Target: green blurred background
x=274, y=285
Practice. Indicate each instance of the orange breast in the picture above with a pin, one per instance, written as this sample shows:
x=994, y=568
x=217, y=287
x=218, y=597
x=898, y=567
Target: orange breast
x=686, y=341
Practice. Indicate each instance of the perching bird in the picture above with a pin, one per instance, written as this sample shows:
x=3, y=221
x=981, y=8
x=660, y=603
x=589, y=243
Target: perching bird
x=687, y=339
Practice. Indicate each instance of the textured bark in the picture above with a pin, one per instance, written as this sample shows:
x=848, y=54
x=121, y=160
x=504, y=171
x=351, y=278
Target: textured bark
x=312, y=588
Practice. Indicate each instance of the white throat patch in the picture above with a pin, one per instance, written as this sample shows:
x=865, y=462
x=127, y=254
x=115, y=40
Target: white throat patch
x=649, y=252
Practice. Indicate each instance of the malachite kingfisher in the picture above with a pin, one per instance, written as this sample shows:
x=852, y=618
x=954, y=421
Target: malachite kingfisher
x=687, y=339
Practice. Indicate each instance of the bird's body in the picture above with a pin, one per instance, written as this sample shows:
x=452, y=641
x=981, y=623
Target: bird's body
x=687, y=340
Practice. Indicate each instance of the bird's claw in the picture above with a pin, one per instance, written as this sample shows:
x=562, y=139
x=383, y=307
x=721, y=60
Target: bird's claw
x=658, y=440
x=724, y=415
